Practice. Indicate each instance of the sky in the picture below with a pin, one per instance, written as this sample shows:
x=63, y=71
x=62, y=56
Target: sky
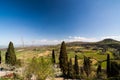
x=40, y=22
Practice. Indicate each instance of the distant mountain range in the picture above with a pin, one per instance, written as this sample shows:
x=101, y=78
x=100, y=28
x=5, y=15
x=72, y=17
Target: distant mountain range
x=109, y=41
x=106, y=42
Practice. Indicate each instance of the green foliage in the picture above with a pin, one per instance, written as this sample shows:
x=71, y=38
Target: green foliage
x=116, y=54
x=87, y=65
x=114, y=78
x=103, y=65
x=70, y=51
x=108, y=66
x=99, y=70
x=63, y=59
x=70, y=70
x=10, y=57
x=94, y=55
x=53, y=56
x=17, y=77
x=114, y=69
x=18, y=62
x=41, y=68
x=76, y=68
x=5, y=79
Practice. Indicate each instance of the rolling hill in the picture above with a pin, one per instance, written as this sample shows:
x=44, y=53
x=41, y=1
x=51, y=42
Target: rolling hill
x=103, y=43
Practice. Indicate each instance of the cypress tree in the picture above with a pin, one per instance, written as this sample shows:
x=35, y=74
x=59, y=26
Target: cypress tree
x=99, y=69
x=81, y=70
x=114, y=69
x=53, y=56
x=108, y=66
x=63, y=59
x=0, y=57
x=76, y=67
x=70, y=69
x=87, y=65
x=10, y=56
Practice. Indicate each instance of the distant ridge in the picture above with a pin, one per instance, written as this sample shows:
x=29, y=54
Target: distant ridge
x=109, y=41
x=102, y=42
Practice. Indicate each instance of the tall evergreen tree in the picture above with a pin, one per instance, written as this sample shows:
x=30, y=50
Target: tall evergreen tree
x=0, y=58
x=87, y=65
x=81, y=70
x=108, y=66
x=63, y=59
x=53, y=56
x=10, y=56
x=70, y=69
x=99, y=69
x=114, y=69
x=76, y=67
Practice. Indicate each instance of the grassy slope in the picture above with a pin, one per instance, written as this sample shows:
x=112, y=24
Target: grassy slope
x=27, y=54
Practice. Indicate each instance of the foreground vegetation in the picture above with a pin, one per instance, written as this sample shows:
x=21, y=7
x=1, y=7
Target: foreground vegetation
x=74, y=62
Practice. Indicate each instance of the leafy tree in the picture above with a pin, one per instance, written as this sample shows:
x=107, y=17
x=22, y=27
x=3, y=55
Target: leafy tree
x=63, y=59
x=87, y=65
x=10, y=56
x=0, y=57
x=108, y=66
x=53, y=56
x=70, y=69
x=76, y=67
x=116, y=53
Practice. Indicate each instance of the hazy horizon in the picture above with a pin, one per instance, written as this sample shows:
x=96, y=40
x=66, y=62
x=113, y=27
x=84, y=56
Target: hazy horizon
x=42, y=22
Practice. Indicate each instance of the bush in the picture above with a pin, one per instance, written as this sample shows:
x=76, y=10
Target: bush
x=18, y=62
x=40, y=67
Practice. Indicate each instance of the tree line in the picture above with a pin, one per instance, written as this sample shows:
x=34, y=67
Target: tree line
x=73, y=71
x=69, y=68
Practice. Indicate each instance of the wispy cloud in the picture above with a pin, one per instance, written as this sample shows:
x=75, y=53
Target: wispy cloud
x=69, y=39
x=78, y=38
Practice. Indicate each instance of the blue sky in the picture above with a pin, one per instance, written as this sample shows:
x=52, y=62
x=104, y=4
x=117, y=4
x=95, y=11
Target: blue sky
x=51, y=21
